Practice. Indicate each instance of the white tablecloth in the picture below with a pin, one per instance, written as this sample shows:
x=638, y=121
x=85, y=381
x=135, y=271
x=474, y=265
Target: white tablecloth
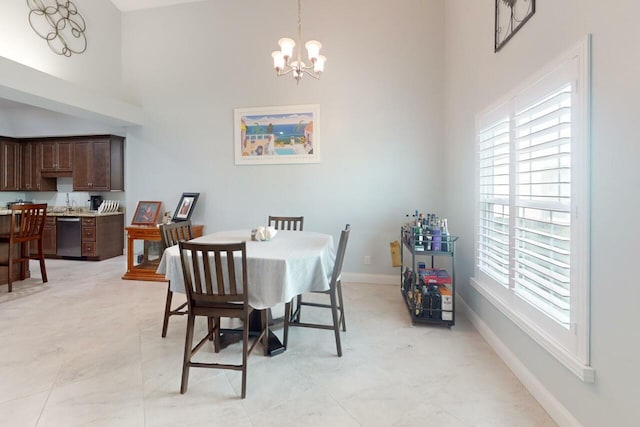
x=292, y=263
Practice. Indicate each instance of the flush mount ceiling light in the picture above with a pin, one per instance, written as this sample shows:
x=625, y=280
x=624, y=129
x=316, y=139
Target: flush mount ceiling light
x=60, y=25
x=282, y=58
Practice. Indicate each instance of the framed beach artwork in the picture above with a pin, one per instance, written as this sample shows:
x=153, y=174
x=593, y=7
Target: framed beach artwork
x=277, y=135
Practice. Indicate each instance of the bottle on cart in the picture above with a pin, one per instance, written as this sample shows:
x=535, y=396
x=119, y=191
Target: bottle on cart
x=446, y=245
x=436, y=233
x=408, y=280
x=435, y=302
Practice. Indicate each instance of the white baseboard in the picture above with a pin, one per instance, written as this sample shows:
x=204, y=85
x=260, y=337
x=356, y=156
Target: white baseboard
x=554, y=408
x=374, y=279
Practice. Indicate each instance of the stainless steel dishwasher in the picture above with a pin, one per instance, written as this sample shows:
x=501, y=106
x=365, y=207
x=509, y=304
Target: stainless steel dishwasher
x=69, y=236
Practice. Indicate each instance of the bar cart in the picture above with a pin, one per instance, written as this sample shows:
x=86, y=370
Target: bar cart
x=428, y=292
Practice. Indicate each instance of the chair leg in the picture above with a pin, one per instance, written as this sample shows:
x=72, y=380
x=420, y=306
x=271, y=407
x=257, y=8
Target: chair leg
x=298, y=308
x=287, y=318
x=43, y=269
x=10, y=270
x=24, y=263
x=245, y=353
x=264, y=314
x=167, y=309
x=342, y=318
x=188, y=341
x=210, y=326
x=336, y=326
x=216, y=336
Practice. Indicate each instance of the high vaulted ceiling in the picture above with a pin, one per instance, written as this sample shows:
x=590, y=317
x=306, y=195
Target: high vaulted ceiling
x=128, y=5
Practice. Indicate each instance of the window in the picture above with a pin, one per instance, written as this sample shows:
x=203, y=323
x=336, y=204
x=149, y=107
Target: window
x=532, y=211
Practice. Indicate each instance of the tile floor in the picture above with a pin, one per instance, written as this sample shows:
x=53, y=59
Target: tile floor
x=85, y=350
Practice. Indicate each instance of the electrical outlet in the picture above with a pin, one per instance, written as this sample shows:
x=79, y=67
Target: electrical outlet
x=367, y=260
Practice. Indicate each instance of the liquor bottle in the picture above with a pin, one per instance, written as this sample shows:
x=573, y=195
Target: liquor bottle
x=435, y=302
x=405, y=228
x=446, y=246
x=436, y=244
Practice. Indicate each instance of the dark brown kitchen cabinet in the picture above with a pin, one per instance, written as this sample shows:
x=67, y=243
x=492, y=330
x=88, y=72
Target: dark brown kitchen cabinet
x=31, y=174
x=10, y=162
x=102, y=236
x=57, y=158
x=49, y=237
x=98, y=164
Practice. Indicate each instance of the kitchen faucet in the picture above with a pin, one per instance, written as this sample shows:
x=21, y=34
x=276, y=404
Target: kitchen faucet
x=68, y=206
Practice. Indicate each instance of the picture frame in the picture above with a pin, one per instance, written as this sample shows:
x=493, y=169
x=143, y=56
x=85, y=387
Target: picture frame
x=510, y=16
x=146, y=213
x=277, y=135
x=185, y=207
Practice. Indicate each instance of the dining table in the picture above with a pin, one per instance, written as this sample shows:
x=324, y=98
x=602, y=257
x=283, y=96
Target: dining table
x=289, y=264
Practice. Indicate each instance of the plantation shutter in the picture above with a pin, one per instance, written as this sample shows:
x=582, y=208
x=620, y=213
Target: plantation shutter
x=542, y=209
x=493, y=227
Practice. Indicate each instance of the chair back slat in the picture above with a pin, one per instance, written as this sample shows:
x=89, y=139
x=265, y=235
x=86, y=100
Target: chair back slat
x=231, y=268
x=294, y=223
x=342, y=248
x=27, y=221
x=198, y=279
x=172, y=233
x=219, y=275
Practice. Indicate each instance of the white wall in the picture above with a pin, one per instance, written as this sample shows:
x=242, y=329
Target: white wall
x=98, y=68
x=24, y=121
x=475, y=77
x=189, y=66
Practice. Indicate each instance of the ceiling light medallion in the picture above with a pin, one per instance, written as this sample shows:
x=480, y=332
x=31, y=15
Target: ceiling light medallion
x=282, y=58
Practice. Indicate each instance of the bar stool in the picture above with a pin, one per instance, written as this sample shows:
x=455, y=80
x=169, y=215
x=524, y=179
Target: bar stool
x=27, y=224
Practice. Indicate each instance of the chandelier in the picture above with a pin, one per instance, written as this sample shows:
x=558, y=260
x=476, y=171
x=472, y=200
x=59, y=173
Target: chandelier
x=282, y=58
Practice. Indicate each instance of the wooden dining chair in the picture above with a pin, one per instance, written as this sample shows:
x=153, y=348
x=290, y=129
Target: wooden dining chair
x=336, y=303
x=286, y=222
x=216, y=288
x=295, y=223
x=27, y=224
x=171, y=234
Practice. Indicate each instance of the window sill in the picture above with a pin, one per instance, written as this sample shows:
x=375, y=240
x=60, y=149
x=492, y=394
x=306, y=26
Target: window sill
x=585, y=372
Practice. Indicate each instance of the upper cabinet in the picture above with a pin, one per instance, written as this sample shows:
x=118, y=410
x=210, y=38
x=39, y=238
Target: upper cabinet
x=32, y=179
x=98, y=164
x=95, y=162
x=57, y=157
x=10, y=162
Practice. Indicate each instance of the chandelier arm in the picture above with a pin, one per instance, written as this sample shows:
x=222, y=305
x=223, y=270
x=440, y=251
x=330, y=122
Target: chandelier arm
x=286, y=71
x=314, y=75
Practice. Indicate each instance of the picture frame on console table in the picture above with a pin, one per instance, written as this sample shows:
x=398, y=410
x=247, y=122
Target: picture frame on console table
x=185, y=207
x=146, y=213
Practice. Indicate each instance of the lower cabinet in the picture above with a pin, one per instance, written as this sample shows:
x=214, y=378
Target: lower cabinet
x=49, y=238
x=102, y=236
x=89, y=237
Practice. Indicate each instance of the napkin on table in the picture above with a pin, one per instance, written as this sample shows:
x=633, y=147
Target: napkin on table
x=263, y=233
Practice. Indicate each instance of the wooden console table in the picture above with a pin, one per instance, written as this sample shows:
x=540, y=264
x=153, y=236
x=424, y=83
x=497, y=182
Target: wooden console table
x=144, y=266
